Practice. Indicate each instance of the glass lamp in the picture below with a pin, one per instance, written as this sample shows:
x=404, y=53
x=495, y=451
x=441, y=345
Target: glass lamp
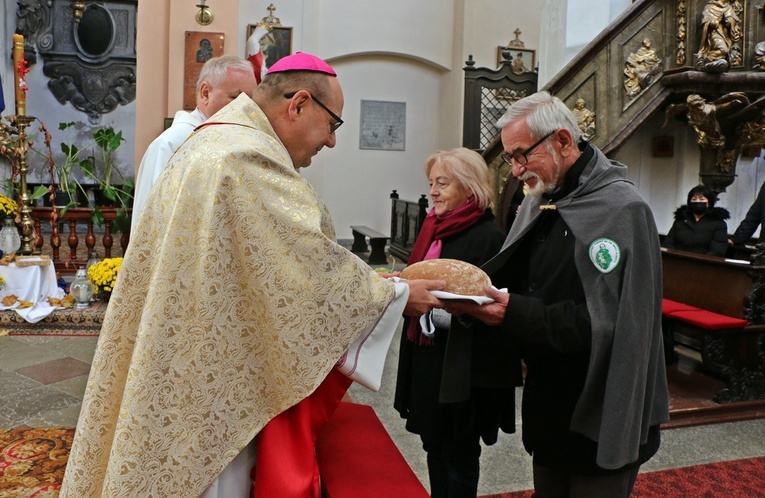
x=92, y=259
x=81, y=289
x=10, y=241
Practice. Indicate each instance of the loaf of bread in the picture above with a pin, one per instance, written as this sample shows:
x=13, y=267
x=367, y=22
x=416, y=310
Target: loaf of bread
x=461, y=278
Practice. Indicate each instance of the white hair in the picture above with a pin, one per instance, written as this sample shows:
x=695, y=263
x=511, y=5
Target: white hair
x=214, y=70
x=544, y=113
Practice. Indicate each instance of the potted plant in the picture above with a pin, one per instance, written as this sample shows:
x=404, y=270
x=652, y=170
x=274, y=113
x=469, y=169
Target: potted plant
x=107, y=140
x=103, y=275
x=67, y=182
x=8, y=207
x=82, y=162
x=93, y=161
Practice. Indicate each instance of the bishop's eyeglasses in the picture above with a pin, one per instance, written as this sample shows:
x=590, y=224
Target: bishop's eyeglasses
x=332, y=126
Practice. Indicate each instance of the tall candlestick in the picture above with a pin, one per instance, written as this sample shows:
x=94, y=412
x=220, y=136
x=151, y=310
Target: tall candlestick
x=20, y=70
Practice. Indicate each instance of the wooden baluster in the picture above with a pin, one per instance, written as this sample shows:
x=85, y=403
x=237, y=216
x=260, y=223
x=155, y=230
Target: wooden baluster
x=124, y=241
x=73, y=240
x=38, y=238
x=90, y=239
x=393, y=219
x=55, y=242
x=108, y=241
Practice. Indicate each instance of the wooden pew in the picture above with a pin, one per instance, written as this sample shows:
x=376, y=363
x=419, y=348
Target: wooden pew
x=405, y=223
x=723, y=317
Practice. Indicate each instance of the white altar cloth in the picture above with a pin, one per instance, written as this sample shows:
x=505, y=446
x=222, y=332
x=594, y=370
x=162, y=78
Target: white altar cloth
x=31, y=283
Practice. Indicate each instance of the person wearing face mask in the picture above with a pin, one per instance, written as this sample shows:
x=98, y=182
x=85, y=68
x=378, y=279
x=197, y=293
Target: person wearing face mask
x=699, y=226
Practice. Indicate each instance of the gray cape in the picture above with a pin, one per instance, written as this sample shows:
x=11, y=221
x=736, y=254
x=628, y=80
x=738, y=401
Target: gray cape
x=625, y=392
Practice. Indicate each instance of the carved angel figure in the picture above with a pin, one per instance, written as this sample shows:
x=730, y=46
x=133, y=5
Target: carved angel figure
x=30, y=18
x=720, y=37
x=709, y=119
x=719, y=125
x=640, y=68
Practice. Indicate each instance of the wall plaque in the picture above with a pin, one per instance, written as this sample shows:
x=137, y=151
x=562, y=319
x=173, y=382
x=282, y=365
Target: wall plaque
x=383, y=125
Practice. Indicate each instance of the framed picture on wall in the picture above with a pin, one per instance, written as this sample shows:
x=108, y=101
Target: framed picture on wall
x=275, y=44
x=200, y=47
x=524, y=60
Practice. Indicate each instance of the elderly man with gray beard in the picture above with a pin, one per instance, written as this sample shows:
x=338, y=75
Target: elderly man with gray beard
x=582, y=265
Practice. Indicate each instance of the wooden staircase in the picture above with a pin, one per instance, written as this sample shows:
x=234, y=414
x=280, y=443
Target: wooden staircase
x=674, y=30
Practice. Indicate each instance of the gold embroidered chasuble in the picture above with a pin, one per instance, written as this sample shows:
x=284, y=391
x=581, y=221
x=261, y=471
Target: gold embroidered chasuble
x=233, y=303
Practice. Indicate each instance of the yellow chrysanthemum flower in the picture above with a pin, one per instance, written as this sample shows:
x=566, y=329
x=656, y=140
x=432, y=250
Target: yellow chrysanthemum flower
x=8, y=206
x=104, y=274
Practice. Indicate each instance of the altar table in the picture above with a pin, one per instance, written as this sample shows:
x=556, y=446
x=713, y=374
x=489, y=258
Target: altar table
x=34, y=284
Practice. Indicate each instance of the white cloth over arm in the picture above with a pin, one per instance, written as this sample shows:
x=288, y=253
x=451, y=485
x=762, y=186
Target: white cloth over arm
x=365, y=359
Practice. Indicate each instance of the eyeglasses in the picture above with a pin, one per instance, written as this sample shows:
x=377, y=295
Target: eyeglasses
x=332, y=126
x=520, y=155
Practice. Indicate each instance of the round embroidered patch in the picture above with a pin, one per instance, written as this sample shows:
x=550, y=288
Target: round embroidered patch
x=605, y=255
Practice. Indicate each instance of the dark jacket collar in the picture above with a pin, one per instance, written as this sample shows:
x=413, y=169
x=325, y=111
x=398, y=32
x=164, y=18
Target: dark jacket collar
x=571, y=178
x=715, y=213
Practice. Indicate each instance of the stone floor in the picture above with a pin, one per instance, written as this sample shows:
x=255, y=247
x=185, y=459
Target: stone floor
x=42, y=380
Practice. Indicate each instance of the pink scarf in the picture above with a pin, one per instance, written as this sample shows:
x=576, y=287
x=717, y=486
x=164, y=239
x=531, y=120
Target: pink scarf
x=428, y=245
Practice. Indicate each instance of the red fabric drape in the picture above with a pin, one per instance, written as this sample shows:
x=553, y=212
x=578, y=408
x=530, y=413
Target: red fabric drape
x=286, y=447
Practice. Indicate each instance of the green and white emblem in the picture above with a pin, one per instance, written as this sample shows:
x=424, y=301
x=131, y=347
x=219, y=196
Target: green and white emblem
x=605, y=255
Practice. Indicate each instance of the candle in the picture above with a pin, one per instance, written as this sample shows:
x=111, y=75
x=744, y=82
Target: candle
x=20, y=70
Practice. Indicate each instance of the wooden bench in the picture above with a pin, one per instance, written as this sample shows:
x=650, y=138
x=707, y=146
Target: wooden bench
x=376, y=239
x=357, y=458
x=715, y=306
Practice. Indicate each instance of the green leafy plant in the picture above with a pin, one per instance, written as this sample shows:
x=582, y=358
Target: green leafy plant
x=67, y=182
x=108, y=141
x=93, y=161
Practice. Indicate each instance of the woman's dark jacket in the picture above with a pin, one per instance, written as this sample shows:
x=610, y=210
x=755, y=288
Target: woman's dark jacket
x=465, y=380
x=753, y=219
x=709, y=235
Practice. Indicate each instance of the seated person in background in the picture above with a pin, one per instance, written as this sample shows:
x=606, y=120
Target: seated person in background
x=699, y=226
x=456, y=386
x=753, y=219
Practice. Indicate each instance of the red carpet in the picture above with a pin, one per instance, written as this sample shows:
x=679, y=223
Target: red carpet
x=734, y=479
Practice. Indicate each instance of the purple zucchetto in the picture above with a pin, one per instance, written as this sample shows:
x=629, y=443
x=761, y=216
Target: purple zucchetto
x=301, y=61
